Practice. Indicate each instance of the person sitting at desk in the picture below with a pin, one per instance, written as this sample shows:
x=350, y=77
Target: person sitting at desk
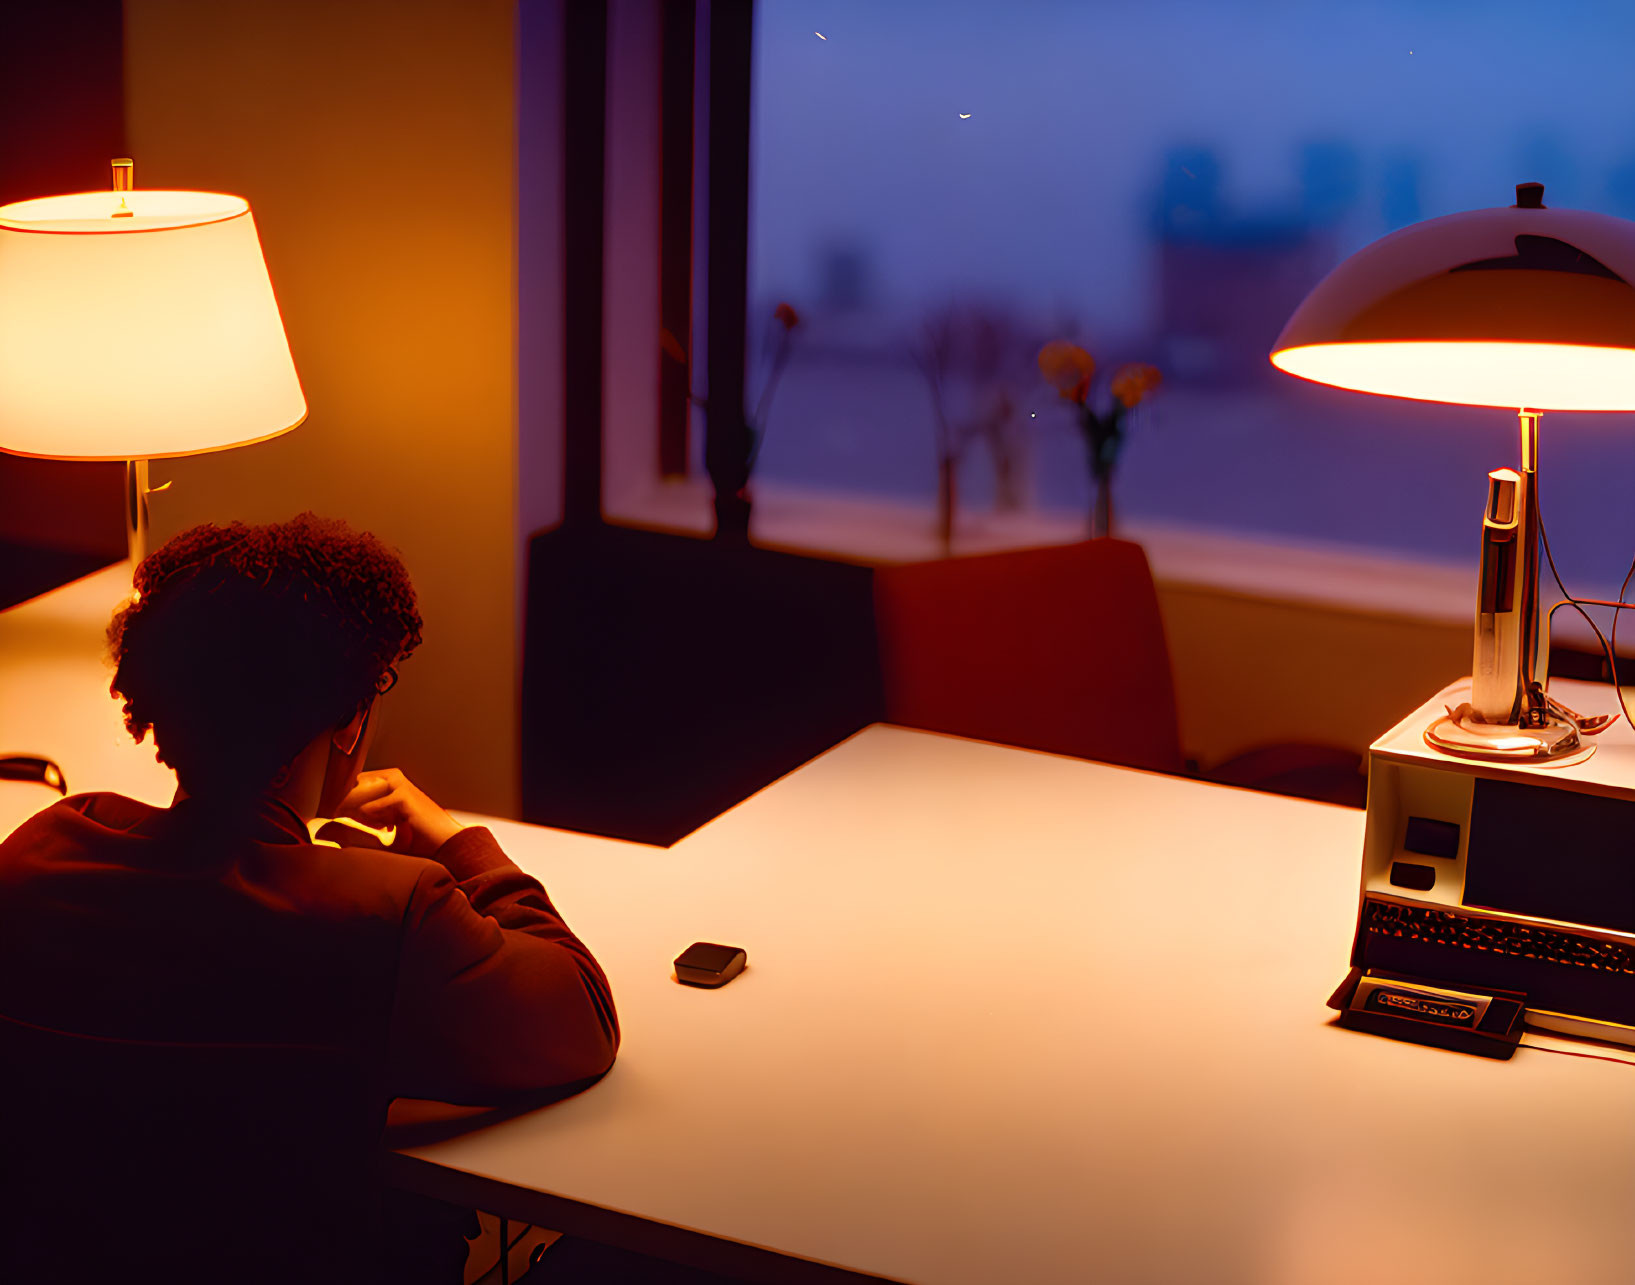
x=257, y=656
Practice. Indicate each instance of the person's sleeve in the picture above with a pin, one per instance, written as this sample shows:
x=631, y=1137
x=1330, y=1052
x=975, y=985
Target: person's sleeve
x=496, y=997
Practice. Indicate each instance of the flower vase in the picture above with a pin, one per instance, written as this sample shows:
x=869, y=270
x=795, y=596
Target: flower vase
x=1101, y=513
x=732, y=510
x=1010, y=467
x=947, y=502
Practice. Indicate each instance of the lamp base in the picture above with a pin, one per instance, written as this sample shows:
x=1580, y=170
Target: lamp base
x=1460, y=733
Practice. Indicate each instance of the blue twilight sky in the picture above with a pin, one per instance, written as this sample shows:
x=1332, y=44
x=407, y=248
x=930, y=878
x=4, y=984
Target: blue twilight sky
x=1045, y=195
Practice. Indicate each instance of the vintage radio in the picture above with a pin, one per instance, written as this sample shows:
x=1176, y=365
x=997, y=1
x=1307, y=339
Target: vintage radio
x=1496, y=894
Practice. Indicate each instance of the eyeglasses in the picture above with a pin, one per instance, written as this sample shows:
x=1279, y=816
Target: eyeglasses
x=383, y=684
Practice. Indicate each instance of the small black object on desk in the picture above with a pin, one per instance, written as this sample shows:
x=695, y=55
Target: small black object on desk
x=705, y=963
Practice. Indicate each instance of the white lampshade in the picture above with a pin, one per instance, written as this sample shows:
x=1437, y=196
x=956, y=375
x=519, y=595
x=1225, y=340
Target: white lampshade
x=140, y=335
x=1520, y=307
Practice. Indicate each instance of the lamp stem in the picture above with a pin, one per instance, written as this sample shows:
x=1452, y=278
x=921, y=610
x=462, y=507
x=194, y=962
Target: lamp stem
x=1533, y=711
x=136, y=510
x=1543, y=731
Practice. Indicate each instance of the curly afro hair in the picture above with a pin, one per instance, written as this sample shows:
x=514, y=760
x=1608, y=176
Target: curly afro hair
x=242, y=643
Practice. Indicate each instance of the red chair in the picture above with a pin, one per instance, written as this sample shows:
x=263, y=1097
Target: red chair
x=126, y=1160
x=1059, y=649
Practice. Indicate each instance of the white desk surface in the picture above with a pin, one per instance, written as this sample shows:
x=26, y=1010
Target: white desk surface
x=1011, y=1017
x=54, y=699
x=1007, y=1017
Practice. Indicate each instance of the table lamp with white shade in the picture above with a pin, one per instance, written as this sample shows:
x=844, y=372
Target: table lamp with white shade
x=1522, y=307
x=138, y=325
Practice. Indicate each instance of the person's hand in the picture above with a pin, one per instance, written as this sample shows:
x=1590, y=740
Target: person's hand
x=388, y=798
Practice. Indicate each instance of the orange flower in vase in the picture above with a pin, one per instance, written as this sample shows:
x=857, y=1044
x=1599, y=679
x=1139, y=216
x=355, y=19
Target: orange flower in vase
x=1069, y=369
x=785, y=319
x=730, y=453
x=1134, y=383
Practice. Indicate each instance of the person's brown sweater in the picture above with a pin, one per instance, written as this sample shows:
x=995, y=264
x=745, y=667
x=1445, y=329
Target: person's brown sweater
x=245, y=964
x=456, y=977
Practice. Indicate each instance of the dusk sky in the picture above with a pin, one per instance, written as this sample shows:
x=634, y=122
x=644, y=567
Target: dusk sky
x=1043, y=196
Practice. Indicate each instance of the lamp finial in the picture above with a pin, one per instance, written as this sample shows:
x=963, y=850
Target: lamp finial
x=1529, y=196
x=124, y=180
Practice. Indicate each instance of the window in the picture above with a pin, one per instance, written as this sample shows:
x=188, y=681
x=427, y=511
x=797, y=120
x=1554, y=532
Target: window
x=1162, y=182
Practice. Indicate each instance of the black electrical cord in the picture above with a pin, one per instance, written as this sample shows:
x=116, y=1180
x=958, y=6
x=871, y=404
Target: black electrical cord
x=1578, y=605
x=1622, y=590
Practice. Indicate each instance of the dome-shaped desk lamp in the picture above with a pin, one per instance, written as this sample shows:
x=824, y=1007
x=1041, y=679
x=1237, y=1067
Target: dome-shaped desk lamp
x=1522, y=307
x=136, y=325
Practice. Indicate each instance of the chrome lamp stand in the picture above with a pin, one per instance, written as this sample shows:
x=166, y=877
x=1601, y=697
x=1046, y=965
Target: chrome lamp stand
x=1538, y=728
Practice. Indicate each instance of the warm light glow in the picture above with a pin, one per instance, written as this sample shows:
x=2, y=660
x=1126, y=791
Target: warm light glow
x=1474, y=373
x=138, y=337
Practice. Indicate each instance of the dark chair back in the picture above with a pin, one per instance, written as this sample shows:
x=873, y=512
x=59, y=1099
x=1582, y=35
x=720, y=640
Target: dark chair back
x=1059, y=649
x=134, y=1160
x=667, y=679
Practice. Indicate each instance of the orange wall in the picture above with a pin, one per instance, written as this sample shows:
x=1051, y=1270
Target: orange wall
x=375, y=142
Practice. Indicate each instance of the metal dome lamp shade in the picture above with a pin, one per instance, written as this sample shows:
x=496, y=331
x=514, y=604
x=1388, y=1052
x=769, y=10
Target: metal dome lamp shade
x=1521, y=307
x=136, y=325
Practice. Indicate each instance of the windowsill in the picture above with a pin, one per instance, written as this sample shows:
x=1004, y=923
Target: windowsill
x=874, y=529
